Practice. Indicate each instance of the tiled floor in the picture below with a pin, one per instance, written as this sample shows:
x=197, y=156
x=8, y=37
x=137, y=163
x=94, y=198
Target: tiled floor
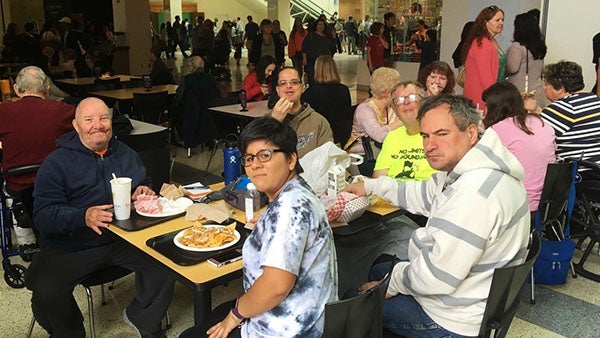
x=570, y=310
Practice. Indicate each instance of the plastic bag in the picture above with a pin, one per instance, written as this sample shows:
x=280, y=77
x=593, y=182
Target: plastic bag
x=319, y=161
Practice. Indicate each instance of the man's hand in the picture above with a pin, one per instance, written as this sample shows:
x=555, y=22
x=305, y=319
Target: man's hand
x=281, y=109
x=357, y=188
x=223, y=328
x=97, y=217
x=368, y=286
x=142, y=190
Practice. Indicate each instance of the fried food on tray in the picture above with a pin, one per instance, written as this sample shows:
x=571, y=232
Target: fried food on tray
x=199, y=236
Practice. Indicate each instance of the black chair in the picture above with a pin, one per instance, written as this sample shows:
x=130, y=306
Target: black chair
x=150, y=107
x=553, y=211
x=585, y=221
x=503, y=298
x=104, y=276
x=359, y=316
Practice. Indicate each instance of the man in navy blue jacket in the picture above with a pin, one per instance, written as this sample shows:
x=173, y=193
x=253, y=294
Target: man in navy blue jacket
x=72, y=198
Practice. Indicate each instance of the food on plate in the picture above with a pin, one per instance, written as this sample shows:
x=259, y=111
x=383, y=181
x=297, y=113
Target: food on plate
x=147, y=204
x=199, y=236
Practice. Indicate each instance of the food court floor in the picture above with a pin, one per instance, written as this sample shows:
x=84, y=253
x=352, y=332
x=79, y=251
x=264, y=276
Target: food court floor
x=570, y=310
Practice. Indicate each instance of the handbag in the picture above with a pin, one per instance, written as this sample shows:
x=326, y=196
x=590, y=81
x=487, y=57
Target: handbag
x=554, y=261
x=460, y=78
x=371, y=148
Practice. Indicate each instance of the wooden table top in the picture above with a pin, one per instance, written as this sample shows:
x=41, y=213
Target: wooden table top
x=255, y=109
x=127, y=93
x=86, y=81
x=203, y=272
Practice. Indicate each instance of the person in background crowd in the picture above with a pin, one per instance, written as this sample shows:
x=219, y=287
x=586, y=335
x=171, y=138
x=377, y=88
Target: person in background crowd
x=250, y=32
x=278, y=34
x=374, y=117
x=257, y=84
x=297, y=36
x=351, y=31
x=266, y=43
x=29, y=128
x=330, y=98
x=160, y=73
x=525, y=57
x=389, y=32
x=237, y=42
x=9, y=40
x=437, y=78
x=483, y=57
x=376, y=47
x=317, y=43
x=525, y=135
x=573, y=113
x=596, y=61
x=456, y=55
x=454, y=255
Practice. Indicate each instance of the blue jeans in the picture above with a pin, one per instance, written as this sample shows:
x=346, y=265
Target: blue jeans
x=404, y=316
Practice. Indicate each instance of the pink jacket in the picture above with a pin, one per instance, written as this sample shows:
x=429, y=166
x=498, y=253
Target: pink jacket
x=481, y=69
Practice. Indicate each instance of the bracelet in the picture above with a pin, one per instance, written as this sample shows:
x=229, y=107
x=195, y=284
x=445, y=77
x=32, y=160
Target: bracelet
x=236, y=313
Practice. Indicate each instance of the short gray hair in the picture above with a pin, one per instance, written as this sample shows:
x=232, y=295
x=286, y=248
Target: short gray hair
x=33, y=80
x=197, y=63
x=403, y=84
x=463, y=110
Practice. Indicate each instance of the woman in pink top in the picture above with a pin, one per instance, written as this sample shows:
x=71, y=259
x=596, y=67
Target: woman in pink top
x=525, y=135
x=483, y=58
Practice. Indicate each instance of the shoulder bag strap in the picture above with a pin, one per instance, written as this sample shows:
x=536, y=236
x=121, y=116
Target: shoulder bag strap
x=526, y=70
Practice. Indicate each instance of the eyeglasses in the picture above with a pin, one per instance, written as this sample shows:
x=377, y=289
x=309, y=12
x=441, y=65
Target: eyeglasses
x=406, y=99
x=292, y=82
x=264, y=155
x=491, y=8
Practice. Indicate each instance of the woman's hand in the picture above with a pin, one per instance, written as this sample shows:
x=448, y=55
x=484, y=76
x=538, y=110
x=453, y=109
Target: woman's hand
x=223, y=328
x=357, y=188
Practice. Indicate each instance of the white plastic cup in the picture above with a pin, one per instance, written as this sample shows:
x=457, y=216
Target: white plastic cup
x=121, y=194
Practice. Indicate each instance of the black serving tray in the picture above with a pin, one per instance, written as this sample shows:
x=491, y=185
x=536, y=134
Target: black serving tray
x=139, y=222
x=164, y=245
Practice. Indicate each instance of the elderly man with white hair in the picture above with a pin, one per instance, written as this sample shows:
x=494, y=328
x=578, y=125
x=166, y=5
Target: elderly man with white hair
x=28, y=129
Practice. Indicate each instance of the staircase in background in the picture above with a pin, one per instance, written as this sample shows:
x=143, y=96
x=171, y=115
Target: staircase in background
x=306, y=9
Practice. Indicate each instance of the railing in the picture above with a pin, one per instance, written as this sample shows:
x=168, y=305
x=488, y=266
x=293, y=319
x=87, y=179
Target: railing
x=305, y=9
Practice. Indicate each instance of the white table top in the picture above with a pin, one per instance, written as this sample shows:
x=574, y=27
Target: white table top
x=141, y=127
x=255, y=109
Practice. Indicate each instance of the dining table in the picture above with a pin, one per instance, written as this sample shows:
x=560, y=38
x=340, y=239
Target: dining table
x=200, y=275
x=126, y=94
x=253, y=110
x=80, y=86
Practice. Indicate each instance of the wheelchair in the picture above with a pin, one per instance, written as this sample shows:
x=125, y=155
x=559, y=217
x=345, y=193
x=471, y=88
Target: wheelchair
x=14, y=274
x=585, y=220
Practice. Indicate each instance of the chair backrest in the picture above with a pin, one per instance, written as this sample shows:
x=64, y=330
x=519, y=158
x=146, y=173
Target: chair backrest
x=359, y=316
x=503, y=298
x=150, y=106
x=553, y=209
x=26, y=195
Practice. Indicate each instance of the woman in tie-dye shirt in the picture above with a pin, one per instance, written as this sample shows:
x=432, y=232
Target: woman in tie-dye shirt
x=289, y=258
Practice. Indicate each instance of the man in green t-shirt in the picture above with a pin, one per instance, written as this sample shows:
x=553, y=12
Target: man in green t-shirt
x=402, y=156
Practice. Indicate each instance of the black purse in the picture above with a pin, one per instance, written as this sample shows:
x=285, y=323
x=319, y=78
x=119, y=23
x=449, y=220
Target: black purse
x=369, y=151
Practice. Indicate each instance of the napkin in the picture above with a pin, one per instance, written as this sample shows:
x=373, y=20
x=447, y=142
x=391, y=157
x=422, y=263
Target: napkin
x=217, y=212
x=171, y=191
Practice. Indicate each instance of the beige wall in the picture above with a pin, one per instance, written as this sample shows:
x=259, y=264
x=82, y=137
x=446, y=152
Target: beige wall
x=230, y=9
x=22, y=11
x=134, y=16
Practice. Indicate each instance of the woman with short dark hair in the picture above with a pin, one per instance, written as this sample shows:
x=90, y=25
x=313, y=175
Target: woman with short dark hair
x=289, y=258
